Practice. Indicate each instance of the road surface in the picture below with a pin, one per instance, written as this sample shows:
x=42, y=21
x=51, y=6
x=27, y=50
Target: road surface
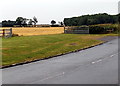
x=97, y=65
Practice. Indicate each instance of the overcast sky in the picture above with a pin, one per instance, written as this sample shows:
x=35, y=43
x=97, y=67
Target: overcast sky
x=47, y=10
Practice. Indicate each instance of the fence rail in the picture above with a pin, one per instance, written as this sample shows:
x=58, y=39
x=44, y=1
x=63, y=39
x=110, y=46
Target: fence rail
x=6, y=33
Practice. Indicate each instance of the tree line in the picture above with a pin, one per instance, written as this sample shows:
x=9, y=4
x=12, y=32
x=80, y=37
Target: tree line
x=24, y=22
x=101, y=18
x=20, y=21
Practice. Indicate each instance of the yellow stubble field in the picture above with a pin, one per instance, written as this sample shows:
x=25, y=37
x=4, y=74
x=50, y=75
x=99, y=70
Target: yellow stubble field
x=28, y=31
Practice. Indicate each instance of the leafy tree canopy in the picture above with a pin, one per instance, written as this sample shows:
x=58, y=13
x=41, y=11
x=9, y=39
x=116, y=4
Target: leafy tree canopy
x=100, y=18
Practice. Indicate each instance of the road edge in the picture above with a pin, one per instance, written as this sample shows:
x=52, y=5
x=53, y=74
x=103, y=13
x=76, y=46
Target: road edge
x=27, y=62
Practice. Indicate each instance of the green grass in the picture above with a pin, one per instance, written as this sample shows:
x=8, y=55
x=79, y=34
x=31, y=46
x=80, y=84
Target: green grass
x=28, y=48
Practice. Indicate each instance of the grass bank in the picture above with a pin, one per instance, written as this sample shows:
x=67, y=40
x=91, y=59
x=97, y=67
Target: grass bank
x=29, y=48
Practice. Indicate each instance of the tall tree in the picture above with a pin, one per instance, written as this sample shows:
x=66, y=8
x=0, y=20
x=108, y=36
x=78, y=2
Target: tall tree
x=35, y=20
x=19, y=21
x=30, y=22
x=61, y=23
x=24, y=23
x=53, y=22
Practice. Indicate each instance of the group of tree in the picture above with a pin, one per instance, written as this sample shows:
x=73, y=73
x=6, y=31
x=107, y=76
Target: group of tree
x=53, y=24
x=101, y=18
x=24, y=22
x=20, y=21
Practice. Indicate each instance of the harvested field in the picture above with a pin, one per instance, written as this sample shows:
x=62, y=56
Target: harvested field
x=27, y=31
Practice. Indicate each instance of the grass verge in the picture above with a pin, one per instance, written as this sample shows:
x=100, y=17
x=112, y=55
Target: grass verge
x=29, y=48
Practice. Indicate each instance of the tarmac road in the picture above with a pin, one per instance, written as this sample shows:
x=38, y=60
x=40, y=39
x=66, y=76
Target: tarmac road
x=97, y=65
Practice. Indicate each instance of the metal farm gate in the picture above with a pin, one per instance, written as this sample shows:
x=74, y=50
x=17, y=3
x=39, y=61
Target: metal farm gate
x=77, y=30
x=6, y=33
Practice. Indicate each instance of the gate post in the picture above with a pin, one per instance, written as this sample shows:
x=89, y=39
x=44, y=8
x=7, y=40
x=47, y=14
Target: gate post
x=10, y=32
x=3, y=32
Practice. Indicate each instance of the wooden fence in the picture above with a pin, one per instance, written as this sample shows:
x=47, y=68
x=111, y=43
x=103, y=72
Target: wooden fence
x=6, y=33
x=77, y=30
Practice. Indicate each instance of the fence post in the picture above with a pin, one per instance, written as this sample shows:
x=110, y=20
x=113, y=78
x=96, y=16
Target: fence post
x=64, y=29
x=10, y=32
x=3, y=32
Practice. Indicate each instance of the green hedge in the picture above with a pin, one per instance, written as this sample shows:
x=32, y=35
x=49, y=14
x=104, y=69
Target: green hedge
x=103, y=28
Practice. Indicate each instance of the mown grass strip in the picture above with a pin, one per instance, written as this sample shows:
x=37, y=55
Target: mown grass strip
x=29, y=48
